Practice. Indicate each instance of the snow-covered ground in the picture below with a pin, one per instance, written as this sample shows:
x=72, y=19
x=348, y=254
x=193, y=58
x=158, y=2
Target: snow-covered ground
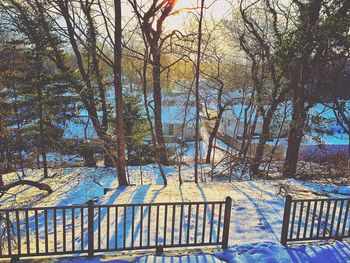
x=256, y=216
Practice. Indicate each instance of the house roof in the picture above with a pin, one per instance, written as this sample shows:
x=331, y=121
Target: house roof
x=176, y=114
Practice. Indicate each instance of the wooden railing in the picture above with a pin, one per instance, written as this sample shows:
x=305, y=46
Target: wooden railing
x=315, y=219
x=90, y=229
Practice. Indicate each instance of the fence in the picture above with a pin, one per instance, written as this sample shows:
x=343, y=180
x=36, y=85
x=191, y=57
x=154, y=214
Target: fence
x=315, y=219
x=90, y=229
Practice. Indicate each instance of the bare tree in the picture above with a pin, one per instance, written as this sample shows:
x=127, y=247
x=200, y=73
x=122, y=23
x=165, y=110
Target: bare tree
x=261, y=36
x=120, y=132
x=151, y=23
x=197, y=76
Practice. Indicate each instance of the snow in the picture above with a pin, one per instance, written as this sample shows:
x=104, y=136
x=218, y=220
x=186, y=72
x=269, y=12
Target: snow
x=256, y=216
x=79, y=128
x=70, y=186
x=273, y=252
x=176, y=114
x=264, y=252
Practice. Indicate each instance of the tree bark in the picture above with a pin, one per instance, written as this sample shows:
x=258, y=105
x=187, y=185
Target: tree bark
x=41, y=130
x=213, y=135
x=120, y=132
x=88, y=94
x=40, y=186
x=295, y=135
x=264, y=137
x=149, y=120
x=197, y=124
x=157, y=97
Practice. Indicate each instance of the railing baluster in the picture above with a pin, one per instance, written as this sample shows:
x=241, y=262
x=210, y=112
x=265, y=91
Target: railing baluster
x=204, y=222
x=293, y=220
x=181, y=223
x=132, y=225
x=82, y=228
x=313, y=219
x=46, y=232
x=211, y=223
x=339, y=217
x=165, y=224
x=141, y=224
x=99, y=228
x=149, y=226
x=64, y=229
x=157, y=225
x=107, y=236
x=196, y=225
x=124, y=228
x=326, y=219
x=300, y=218
x=8, y=227
x=345, y=217
x=55, y=230
x=188, y=224
x=320, y=219
x=2, y=245
x=116, y=228
x=306, y=218
x=91, y=228
x=348, y=235
x=333, y=218
x=173, y=225
x=219, y=224
x=73, y=229
x=36, y=232
x=18, y=233
x=27, y=232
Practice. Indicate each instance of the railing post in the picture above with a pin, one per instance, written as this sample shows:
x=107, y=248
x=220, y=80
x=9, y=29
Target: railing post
x=227, y=218
x=286, y=217
x=91, y=228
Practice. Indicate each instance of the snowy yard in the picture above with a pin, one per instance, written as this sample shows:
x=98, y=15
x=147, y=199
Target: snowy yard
x=256, y=217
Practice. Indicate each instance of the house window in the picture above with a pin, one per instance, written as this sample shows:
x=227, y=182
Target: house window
x=171, y=129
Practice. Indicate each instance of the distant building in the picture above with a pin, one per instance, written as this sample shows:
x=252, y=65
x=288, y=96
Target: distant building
x=178, y=119
x=233, y=119
x=326, y=136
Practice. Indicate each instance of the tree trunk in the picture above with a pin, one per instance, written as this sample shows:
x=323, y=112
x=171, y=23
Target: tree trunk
x=197, y=127
x=213, y=135
x=295, y=136
x=149, y=120
x=40, y=186
x=42, y=136
x=121, y=161
x=157, y=97
x=87, y=152
x=87, y=93
x=264, y=137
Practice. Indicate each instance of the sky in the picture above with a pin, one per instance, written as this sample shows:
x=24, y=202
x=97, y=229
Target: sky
x=215, y=8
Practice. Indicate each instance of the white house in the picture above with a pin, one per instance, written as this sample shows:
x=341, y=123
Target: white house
x=176, y=119
x=232, y=121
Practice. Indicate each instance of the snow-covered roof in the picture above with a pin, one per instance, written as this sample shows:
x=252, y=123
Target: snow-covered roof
x=176, y=114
